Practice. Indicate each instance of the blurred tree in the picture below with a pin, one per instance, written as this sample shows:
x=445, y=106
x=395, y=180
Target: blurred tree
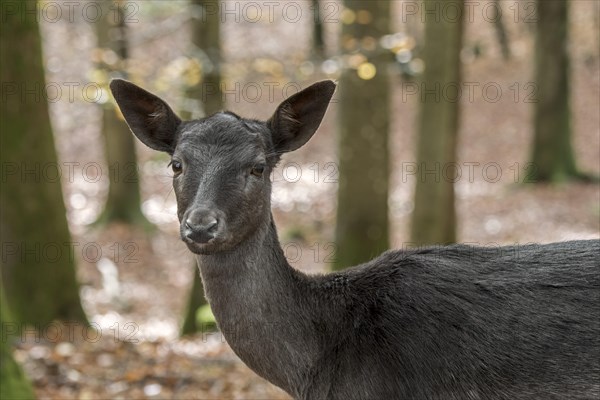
x=196, y=301
x=205, y=84
x=434, y=215
x=552, y=155
x=123, y=201
x=206, y=43
x=501, y=33
x=364, y=118
x=13, y=383
x=38, y=264
x=318, y=47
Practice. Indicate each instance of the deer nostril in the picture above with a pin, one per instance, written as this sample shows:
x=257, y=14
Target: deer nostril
x=211, y=223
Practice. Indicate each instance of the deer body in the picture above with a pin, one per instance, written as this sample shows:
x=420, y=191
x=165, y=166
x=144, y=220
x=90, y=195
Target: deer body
x=415, y=324
x=457, y=322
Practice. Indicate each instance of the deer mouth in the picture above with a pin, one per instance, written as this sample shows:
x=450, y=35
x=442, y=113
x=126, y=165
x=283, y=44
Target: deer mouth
x=209, y=247
x=204, y=246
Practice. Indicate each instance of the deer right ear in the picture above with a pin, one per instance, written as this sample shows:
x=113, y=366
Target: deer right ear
x=148, y=116
x=297, y=118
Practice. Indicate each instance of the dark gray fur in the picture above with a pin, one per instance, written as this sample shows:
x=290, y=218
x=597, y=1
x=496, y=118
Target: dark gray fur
x=455, y=322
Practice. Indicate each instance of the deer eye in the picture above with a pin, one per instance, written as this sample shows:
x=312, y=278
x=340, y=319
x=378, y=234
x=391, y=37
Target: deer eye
x=176, y=166
x=258, y=170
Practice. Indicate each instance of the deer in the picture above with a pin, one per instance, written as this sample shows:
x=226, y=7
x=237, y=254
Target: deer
x=444, y=322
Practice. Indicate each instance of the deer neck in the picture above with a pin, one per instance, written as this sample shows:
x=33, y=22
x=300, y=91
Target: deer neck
x=262, y=306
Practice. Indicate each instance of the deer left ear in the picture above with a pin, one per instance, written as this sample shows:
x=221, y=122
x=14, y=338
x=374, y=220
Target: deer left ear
x=297, y=118
x=149, y=117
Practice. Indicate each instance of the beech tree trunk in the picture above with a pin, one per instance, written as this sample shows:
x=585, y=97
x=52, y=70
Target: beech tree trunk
x=123, y=203
x=206, y=48
x=206, y=39
x=552, y=155
x=434, y=215
x=364, y=119
x=38, y=255
x=318, y=40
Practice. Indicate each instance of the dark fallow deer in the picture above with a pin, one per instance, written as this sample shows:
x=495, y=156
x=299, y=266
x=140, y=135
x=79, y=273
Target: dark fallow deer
x=446, y=323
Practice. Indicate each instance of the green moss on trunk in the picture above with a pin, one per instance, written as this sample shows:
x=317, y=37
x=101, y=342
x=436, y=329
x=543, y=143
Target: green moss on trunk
x=13, y=383
x=196, y=301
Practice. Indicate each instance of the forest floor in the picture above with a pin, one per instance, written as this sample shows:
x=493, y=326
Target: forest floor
x=135, y=285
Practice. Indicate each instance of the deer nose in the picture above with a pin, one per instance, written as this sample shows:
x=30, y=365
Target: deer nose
x=201, y=225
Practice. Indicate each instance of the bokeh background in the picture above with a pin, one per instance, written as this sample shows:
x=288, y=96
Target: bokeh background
x=471, y=122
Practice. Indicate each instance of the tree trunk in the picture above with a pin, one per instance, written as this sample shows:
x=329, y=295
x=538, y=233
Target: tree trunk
x=364, y=95
x=206, y=41
x=196, y=300
x=501, y=33
x=38, y=263
x=123, y=201
x=206, y=47
x=318, y=41
x=552, y=157
x=13, y=383
x=434, y=216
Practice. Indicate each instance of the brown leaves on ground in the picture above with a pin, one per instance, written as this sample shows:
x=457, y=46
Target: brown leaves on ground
x=106, y=368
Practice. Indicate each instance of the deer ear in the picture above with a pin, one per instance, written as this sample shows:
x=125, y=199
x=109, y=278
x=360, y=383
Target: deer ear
x=297, y=118
x=148, y=116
